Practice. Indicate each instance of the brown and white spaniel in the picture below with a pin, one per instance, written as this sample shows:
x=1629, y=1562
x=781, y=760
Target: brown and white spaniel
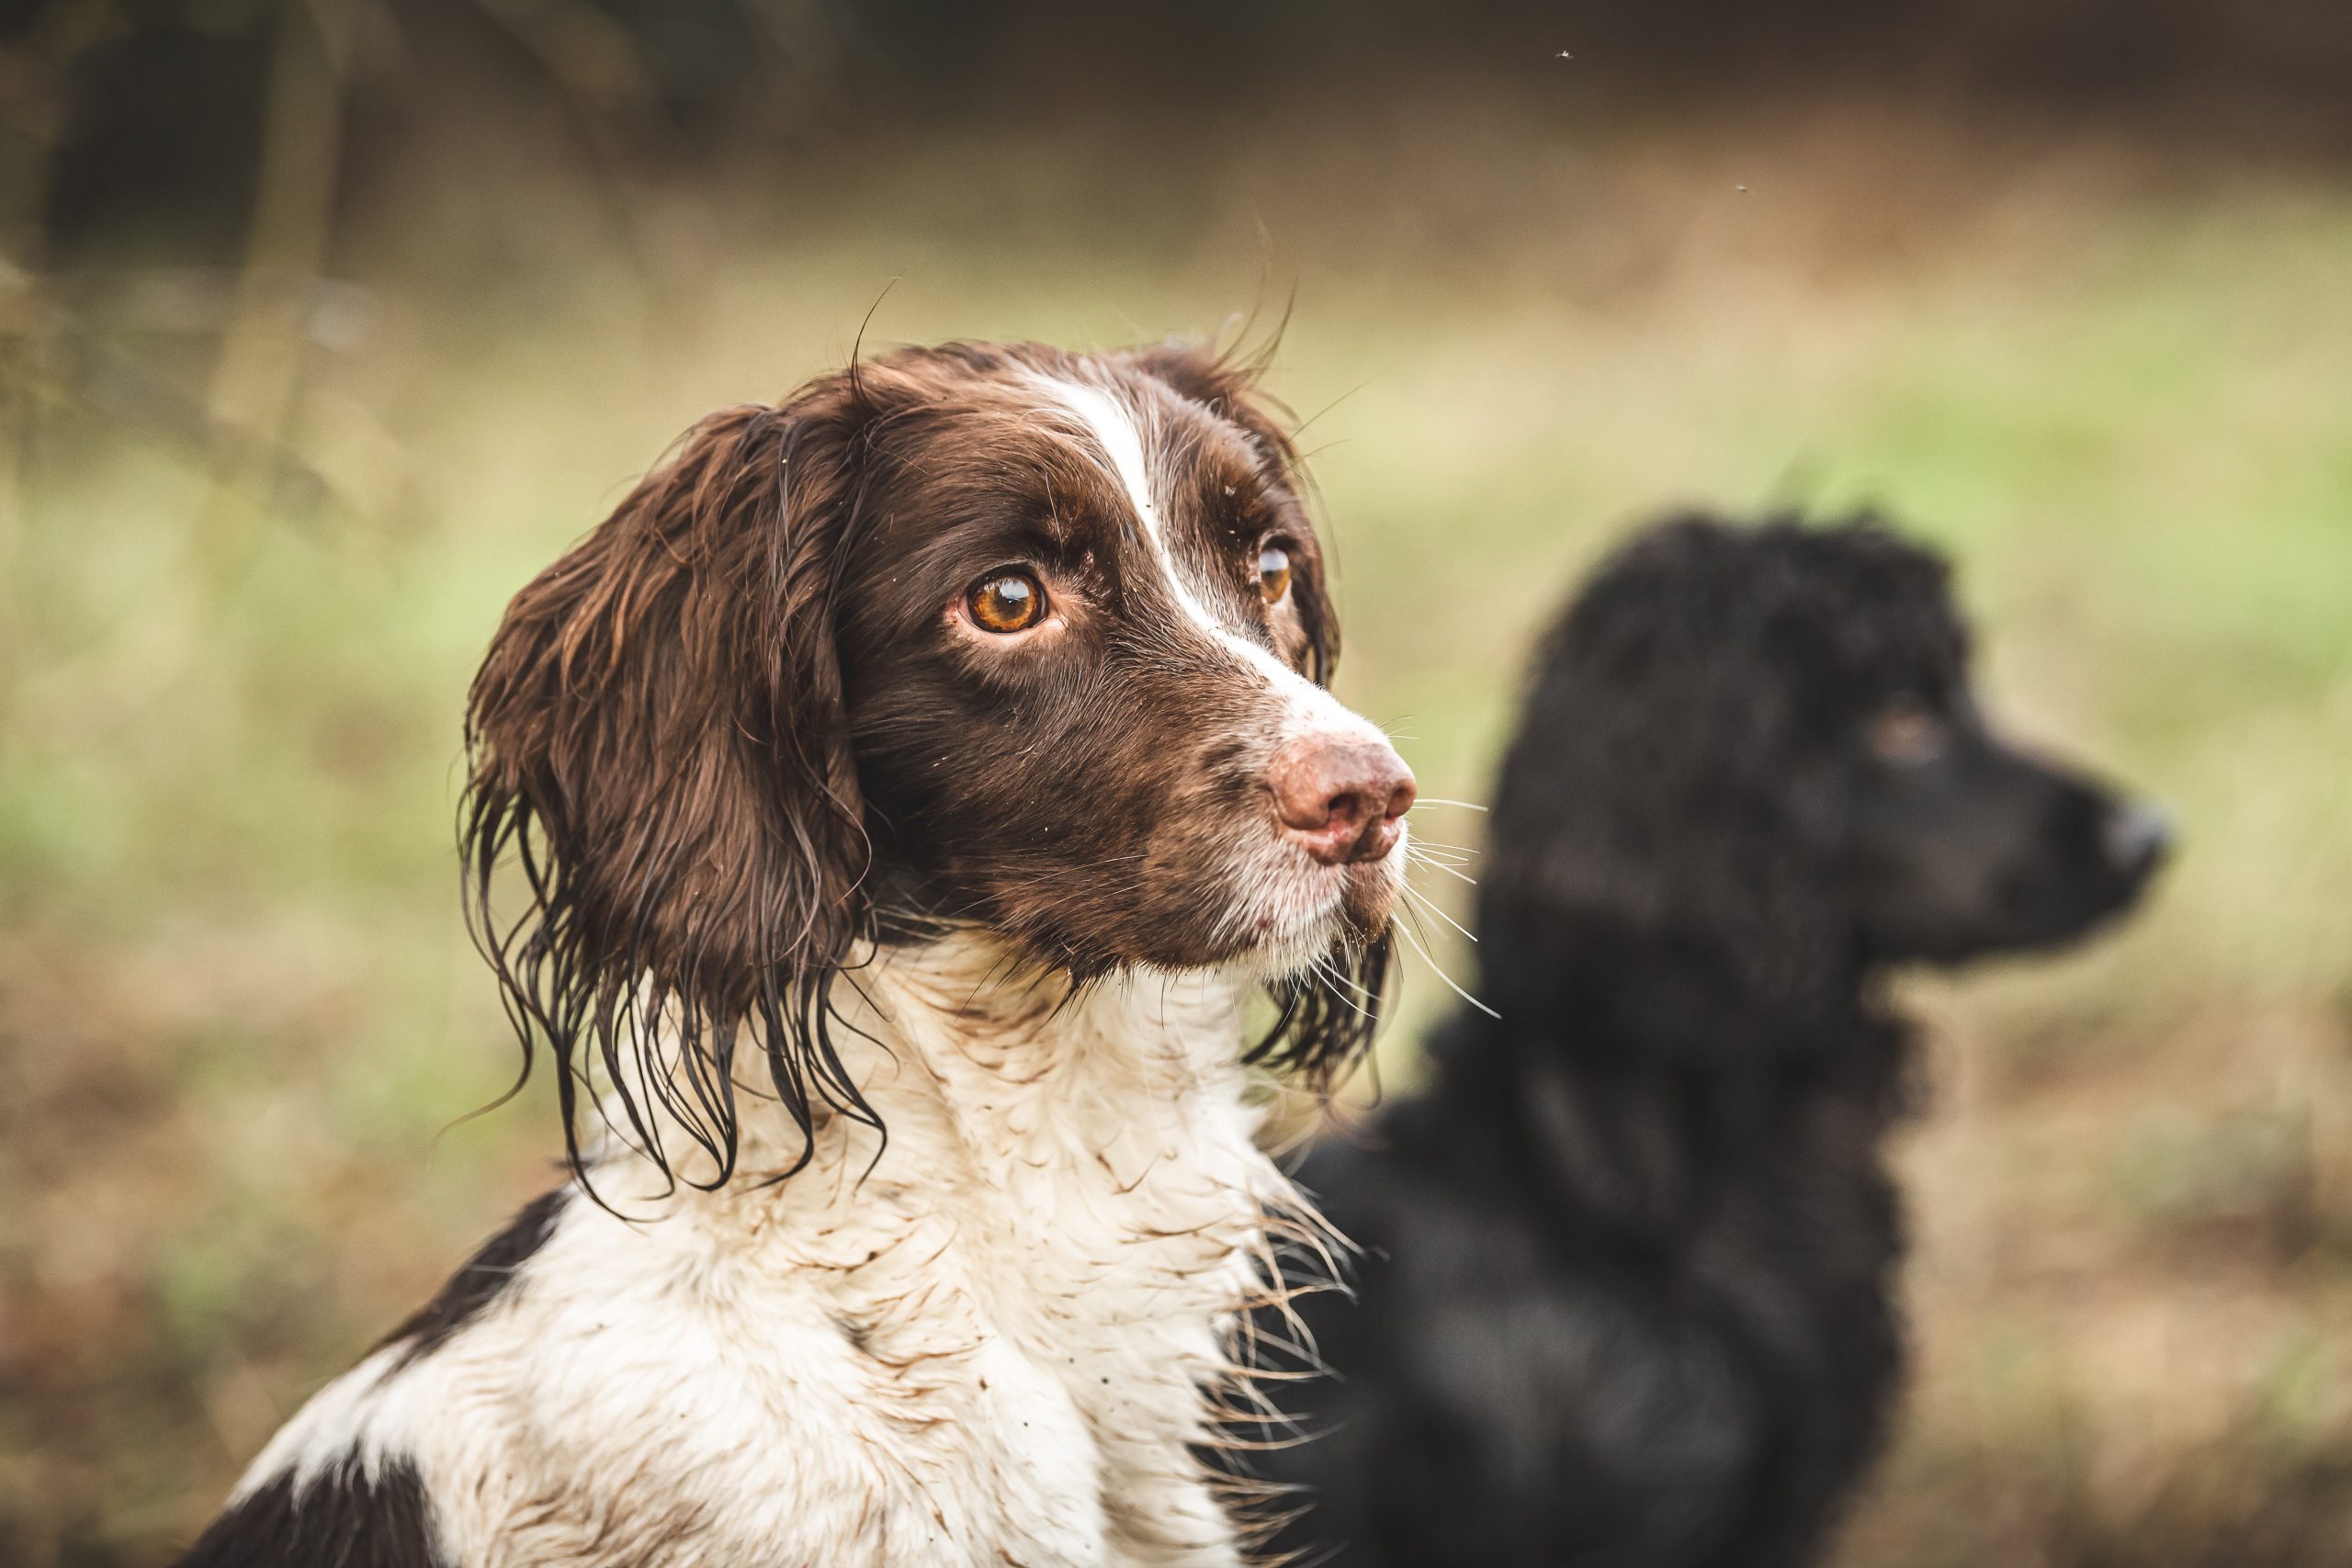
x=886, y=818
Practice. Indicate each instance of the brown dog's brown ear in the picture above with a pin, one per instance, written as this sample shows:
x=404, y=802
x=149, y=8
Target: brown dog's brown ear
x=658, y=750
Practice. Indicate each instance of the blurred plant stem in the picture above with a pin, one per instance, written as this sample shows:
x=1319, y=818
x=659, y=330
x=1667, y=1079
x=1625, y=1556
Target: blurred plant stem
x=592, y=62
x=32, y=118
x=257, y=374
x=32, y=115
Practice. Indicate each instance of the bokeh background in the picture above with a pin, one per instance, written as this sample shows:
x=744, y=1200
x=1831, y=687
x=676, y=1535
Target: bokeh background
x=325, y=323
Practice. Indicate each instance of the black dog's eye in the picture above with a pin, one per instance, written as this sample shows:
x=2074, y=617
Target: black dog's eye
x=1905, y=732
x=1273, y=573
x=1006, y=602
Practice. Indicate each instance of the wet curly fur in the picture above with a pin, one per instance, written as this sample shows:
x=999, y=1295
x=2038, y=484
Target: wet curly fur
x=1627, y=1295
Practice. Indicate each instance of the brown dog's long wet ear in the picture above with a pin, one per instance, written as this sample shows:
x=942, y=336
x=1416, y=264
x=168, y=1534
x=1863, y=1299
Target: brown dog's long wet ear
x=658, y=749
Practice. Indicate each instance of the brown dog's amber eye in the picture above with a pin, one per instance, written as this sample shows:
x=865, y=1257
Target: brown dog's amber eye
x=1008, y=602
x=1273, y=573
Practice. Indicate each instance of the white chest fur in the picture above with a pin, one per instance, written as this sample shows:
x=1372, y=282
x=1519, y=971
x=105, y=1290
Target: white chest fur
x=990, y=1339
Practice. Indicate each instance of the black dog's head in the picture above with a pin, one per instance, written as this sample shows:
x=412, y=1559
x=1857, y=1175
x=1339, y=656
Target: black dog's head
x=981, y=636
x=1756, y=750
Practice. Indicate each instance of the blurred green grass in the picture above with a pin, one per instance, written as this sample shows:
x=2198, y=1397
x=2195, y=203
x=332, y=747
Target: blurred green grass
x=238, y=1015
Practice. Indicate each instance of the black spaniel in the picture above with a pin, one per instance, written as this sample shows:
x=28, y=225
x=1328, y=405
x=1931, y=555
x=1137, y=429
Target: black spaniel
x=1627, y=1290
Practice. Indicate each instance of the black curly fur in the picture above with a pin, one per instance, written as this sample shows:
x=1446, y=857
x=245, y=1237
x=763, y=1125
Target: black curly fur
x=1627, y=1292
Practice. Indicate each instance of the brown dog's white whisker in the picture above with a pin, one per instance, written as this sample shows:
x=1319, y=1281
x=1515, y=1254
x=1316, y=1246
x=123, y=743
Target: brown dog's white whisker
x=1437, y=970
x=1426, y=902
x=1325, y=966
x=1334, y=982
x=1435, y=865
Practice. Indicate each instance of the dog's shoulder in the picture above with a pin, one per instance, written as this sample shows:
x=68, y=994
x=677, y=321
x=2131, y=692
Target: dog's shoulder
x=353, y=1514
x=492, y=1271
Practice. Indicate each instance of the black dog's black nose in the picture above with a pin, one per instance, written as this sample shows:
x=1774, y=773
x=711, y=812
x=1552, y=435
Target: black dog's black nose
x=2137, y=837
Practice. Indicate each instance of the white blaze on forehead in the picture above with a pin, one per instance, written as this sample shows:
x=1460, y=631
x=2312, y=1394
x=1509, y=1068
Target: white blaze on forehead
x=1114, y=428
x=1114, y=425
x=1117, y=431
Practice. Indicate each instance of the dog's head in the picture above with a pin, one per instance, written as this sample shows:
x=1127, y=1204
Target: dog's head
x=974, y=635
x=1761, y=744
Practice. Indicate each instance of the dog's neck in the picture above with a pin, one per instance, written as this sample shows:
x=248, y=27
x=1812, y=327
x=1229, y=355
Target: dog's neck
x=1673, y=1003
x=1698, y=1035
x=1018, y=1071
x=960, y=1037
x=1630, y=1101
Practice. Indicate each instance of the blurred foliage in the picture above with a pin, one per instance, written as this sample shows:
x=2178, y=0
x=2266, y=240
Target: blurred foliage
x=325, y=325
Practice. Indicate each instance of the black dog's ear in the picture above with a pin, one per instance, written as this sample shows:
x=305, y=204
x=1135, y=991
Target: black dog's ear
x=1654, y=803
x=657, y=747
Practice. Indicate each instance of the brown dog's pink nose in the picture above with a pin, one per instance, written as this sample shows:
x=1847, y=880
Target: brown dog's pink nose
x=1341, y=796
